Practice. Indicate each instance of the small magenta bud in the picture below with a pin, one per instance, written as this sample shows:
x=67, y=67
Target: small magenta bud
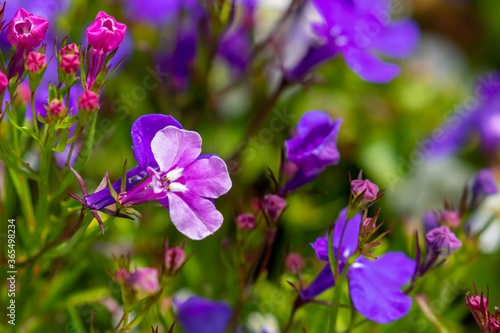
x=294, y=262
x=175, y=257
x=88, y=101
x=474, y=303
x=35, y=62
x=450, y=218
x=56, y=108
x=70, y=63
x=494, y=325
x=441, y=240
x=69, y=49
x=4, y=82
x=367, y=224
x=121, y=275
x=273, y=205
x=484, y=184
x=365, y=188
x=144, y=280
x=245, y=221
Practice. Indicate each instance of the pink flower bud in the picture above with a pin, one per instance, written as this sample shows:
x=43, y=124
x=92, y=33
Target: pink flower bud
x=27, y=30
x=294, y=262
x=175, y=257
x=450, y=218
x=245, y=221
x=56, y=108
x=23, y=93
x=367, y=224
x=88, y=101
x=144, y=280
x=442, y=241
x=121, y=275
x=494, y=325
x=69, y=49
x=70, y=63
x=365, y=188
x=35, y=62
x=4, y=82
x=273, y=205
x=474, y=303
x=105, y=33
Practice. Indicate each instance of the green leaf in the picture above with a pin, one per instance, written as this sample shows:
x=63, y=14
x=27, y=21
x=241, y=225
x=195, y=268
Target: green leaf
x=63, y=140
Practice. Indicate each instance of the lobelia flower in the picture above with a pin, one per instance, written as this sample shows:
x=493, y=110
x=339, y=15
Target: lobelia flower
x=374, y=285
x=314, y=148
x=201, y=315
x=182, y=180
x=482, y=118
x=484, y=184
x=103, y=35
x=359, y=29
x=26, y=31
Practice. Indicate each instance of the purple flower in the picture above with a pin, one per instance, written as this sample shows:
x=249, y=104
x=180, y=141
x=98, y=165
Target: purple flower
x=26, y=31
x=484, y=184
x=314, y=148
x=442, y=242
x=103, y=35
x=182, y=180
x=374, y=285
x=359, y=29
x=201, y=315
x=481, y=117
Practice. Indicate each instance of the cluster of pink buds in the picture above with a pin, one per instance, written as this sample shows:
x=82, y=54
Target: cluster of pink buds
x=69, y=61
x=478, y=305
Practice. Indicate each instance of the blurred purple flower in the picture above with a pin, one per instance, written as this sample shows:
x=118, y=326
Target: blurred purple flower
x=314, y=148
x=182, y=180
x=359, y=29
x=482, y=117
x=442, y=242
x=201, y=315
x=484, y=184
x=374, y=285
x=144, y=280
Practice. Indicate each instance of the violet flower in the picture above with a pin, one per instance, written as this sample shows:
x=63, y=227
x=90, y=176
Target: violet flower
x=484, y=184
x=442, y=242
x=182, y=180
x=103, y=35
x=481, y=118
x=26, y=31
x=359, y=29
x=201, y=315
x=374, y=285
x=314, y=148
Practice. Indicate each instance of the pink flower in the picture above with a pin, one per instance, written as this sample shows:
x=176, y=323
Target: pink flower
x=174, y=258
x=144, y=280
x=273, y=205
x=26, y=30
x=105, y=33
x=70, y=63
x=69, y=49
x=4, y=82
x=36, y=61
x=88, y=101
x=245, y=221
x=366, y=188
x=56, y=108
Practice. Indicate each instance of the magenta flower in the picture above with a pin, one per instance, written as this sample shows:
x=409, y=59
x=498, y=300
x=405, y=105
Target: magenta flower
x=103, y=35
x=374, y=285
x=358, y=30
x=182, y=180
x=273, y=205
x=4, y=82
x=245, y=221
x=201, y=315
x=144, y=280
x=26, y=31
x=35, y=61
x=314, y=148
x=70, y=63
x=88, y=101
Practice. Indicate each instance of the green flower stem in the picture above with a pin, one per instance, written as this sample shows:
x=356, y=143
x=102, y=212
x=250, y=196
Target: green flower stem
x=43, y=184
x=33, y=112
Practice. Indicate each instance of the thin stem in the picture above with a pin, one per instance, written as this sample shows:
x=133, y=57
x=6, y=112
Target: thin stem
x=33, y=113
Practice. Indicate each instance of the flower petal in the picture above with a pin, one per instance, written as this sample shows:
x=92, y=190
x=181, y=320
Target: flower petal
x=398, y=40
x=143, y=131
x=208, y=177
x=311, y=121
x=369, y=67
x=374, y=286
x=200, y=315
x=194, y=216
x=321, y=283
x=175, y=148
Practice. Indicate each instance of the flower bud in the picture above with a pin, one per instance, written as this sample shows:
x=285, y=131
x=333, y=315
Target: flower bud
x=245, y=221
x=366, y=188
x=56, y=109
x=175, y=257
x=442, y=241
x=367, y=224
x=70, y=63
x=474, y=303
x=4, y=82
x=35, y=62
x=430, y=219
x=144, y=280
x=23, y=94
x=273, y=205
x=294, y=262
x=484, y=184
x=69, y=49
x=88, y=101
x=494, y=325
x=450, y=218
x=121, y=275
